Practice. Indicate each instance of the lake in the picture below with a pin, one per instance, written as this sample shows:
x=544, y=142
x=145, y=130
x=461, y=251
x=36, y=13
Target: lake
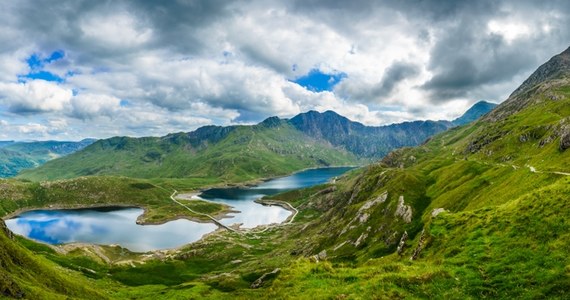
x=114, y=225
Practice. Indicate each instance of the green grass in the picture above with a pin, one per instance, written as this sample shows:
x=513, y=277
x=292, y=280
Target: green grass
x=246, y=153
x=17, y=195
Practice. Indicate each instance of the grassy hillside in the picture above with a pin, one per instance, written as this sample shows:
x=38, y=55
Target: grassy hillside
x=274, y=147
x=24, y=275
x=16, y=195
x=244, y=153
x=17, y=156
x=479, y=211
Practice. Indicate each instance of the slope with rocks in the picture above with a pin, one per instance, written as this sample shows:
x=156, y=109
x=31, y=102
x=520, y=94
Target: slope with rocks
x=478, y=211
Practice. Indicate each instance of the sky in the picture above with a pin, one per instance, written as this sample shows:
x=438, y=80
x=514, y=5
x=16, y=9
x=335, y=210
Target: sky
x=76, y=69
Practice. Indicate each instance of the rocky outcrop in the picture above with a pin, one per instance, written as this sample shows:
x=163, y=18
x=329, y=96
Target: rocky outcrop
x=420, y=247
x=265, y=278
x=4, y=230
x=404, y=211
x=402, y=243
x=322, y=255
x=564, y=138
x=437, y=211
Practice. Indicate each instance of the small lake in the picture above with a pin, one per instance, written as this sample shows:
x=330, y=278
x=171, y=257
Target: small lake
x=107, y=226
x=253, y=214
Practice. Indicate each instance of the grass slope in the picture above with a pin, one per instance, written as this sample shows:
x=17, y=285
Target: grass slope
x=246, y=153
x=24, y=275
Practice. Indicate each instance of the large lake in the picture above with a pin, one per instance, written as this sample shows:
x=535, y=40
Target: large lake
x=109, y=226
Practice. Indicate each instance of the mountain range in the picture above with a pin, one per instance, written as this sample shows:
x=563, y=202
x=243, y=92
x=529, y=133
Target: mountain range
x=240, y=153
x=17, y=156
x=477, y=211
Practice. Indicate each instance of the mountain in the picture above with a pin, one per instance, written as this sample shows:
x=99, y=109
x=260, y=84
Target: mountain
x=477, y=211
x=373, y=142
x=17, y=156
x=240, y=153
x=538, y=87
x=365, y=141
x=212, y=153
x=6, y=143
x=475, y=112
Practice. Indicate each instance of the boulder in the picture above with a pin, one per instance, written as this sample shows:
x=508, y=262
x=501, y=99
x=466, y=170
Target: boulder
x=264, y=278
x=437, y=211
x=402, y=243
x=565, y=139
x=403, y=211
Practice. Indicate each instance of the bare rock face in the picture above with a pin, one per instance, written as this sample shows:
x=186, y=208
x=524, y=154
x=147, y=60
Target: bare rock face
x=403, y=211
x=322, y=255
x=420, y=247
x=264, y=278
x=437, y=211
x=402, y=243
x=565, y=139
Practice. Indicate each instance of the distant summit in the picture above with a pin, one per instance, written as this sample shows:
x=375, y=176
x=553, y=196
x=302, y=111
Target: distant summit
x=475, y=112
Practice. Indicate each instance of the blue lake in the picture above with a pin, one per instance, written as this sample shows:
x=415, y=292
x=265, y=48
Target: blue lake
x=109, y=226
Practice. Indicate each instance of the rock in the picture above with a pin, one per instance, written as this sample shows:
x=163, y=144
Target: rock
x=437, y=211
x=420, y=247
x=402, y=243
x=545, y=141
x=360, y=239
x=322, y=255
x=5, y=230
x=403, y=211
x=264, y=278
x=565, y=139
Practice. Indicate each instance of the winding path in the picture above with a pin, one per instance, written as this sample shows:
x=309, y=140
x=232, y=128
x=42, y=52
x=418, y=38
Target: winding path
x=245, y=230
x=202, y=214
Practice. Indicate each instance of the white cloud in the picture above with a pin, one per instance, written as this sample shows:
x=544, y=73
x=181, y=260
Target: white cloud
x=180, y=64
x=33, y=129
x=88, y=106
x=117, y=30
x=34, y=96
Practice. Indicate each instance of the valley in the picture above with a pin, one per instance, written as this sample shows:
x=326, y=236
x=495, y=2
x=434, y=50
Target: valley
x=476, y=211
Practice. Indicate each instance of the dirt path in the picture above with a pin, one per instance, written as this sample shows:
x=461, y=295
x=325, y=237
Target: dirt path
x=201, y=214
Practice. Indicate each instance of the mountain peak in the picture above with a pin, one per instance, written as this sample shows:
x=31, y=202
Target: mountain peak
x=557, y=67
x=475, y=112
x=555, y=72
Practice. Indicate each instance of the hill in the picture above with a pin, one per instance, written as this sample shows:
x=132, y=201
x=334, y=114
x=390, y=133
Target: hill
x=475, y=112
x=17, y=156
x=241, y=153
x=478, y=211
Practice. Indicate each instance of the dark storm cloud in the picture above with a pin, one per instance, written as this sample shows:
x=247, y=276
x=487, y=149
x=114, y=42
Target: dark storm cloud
x=225, y=61
x=394, y=74
x=464, y=57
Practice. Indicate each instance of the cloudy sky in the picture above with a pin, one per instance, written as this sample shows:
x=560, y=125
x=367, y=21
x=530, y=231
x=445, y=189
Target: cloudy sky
x=76, y=69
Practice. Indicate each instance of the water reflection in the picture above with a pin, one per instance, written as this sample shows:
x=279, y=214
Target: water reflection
x=253, y=214
x=106, y=227
x=118, y=225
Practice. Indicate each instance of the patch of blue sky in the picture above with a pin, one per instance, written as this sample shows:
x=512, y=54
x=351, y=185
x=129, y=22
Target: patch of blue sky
x=318, y=81
x=44, y=75
x=37, y=63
